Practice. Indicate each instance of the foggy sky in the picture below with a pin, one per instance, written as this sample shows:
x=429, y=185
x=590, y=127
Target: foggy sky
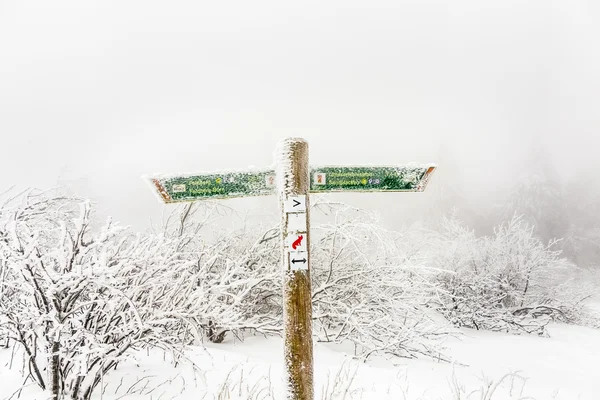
x=97, y=93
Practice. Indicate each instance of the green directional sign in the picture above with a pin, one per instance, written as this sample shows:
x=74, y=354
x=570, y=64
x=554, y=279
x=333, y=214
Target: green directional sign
x=370, y=178
x=231, y=184
x=177, y=188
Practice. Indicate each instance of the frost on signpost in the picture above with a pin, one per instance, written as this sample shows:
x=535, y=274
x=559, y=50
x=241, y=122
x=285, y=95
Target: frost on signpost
x=292, y=174
x=292, y=180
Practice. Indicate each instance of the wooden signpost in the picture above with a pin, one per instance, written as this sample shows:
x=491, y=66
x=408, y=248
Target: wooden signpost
x=292, y=179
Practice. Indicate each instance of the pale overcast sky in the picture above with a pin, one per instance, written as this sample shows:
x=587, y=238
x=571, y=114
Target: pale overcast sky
x=98, y=93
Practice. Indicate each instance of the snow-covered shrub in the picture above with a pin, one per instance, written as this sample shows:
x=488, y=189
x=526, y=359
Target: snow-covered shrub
x=238, y=278
x=77, y=299
x=510, y=281
x=578, y=291
x=367, y=291
x=239, y=272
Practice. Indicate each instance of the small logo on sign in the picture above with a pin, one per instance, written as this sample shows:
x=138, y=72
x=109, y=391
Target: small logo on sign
x=270, y=180
x=320, y=178
x=297, y=242
x=178, y=188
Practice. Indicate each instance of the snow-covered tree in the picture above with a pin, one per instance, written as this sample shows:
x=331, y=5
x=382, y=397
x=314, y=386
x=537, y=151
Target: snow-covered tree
x=583, y=238
x=76, y=295
x=77, y=299
x=540, y=200
x=241, y=271
x=367, y=290
x=539, y=197
x=503, y=282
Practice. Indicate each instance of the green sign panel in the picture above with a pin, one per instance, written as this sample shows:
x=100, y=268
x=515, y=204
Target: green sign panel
x=214, y=185
x=178, y=188
x=370, y=178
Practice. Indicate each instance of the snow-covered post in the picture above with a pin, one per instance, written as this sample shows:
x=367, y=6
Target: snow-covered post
x=293, y=182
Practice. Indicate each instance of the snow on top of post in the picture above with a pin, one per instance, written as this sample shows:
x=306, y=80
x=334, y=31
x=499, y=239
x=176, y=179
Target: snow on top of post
x=283, y=166
x=368, y=165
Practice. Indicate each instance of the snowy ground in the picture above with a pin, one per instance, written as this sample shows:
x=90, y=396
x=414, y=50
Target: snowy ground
x=563, y=366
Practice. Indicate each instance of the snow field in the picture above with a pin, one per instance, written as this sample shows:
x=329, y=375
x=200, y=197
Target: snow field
x=561, y=367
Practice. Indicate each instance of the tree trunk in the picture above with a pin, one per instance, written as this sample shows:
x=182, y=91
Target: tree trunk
x=213, y=336
x=76, y=388
x=54, y=370
x=526, y=288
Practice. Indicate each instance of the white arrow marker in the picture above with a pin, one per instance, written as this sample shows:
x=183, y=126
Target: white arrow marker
x=298, y=261
x=295, y=204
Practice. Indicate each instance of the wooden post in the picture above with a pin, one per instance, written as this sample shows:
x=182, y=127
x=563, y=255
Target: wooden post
x=293, y=182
